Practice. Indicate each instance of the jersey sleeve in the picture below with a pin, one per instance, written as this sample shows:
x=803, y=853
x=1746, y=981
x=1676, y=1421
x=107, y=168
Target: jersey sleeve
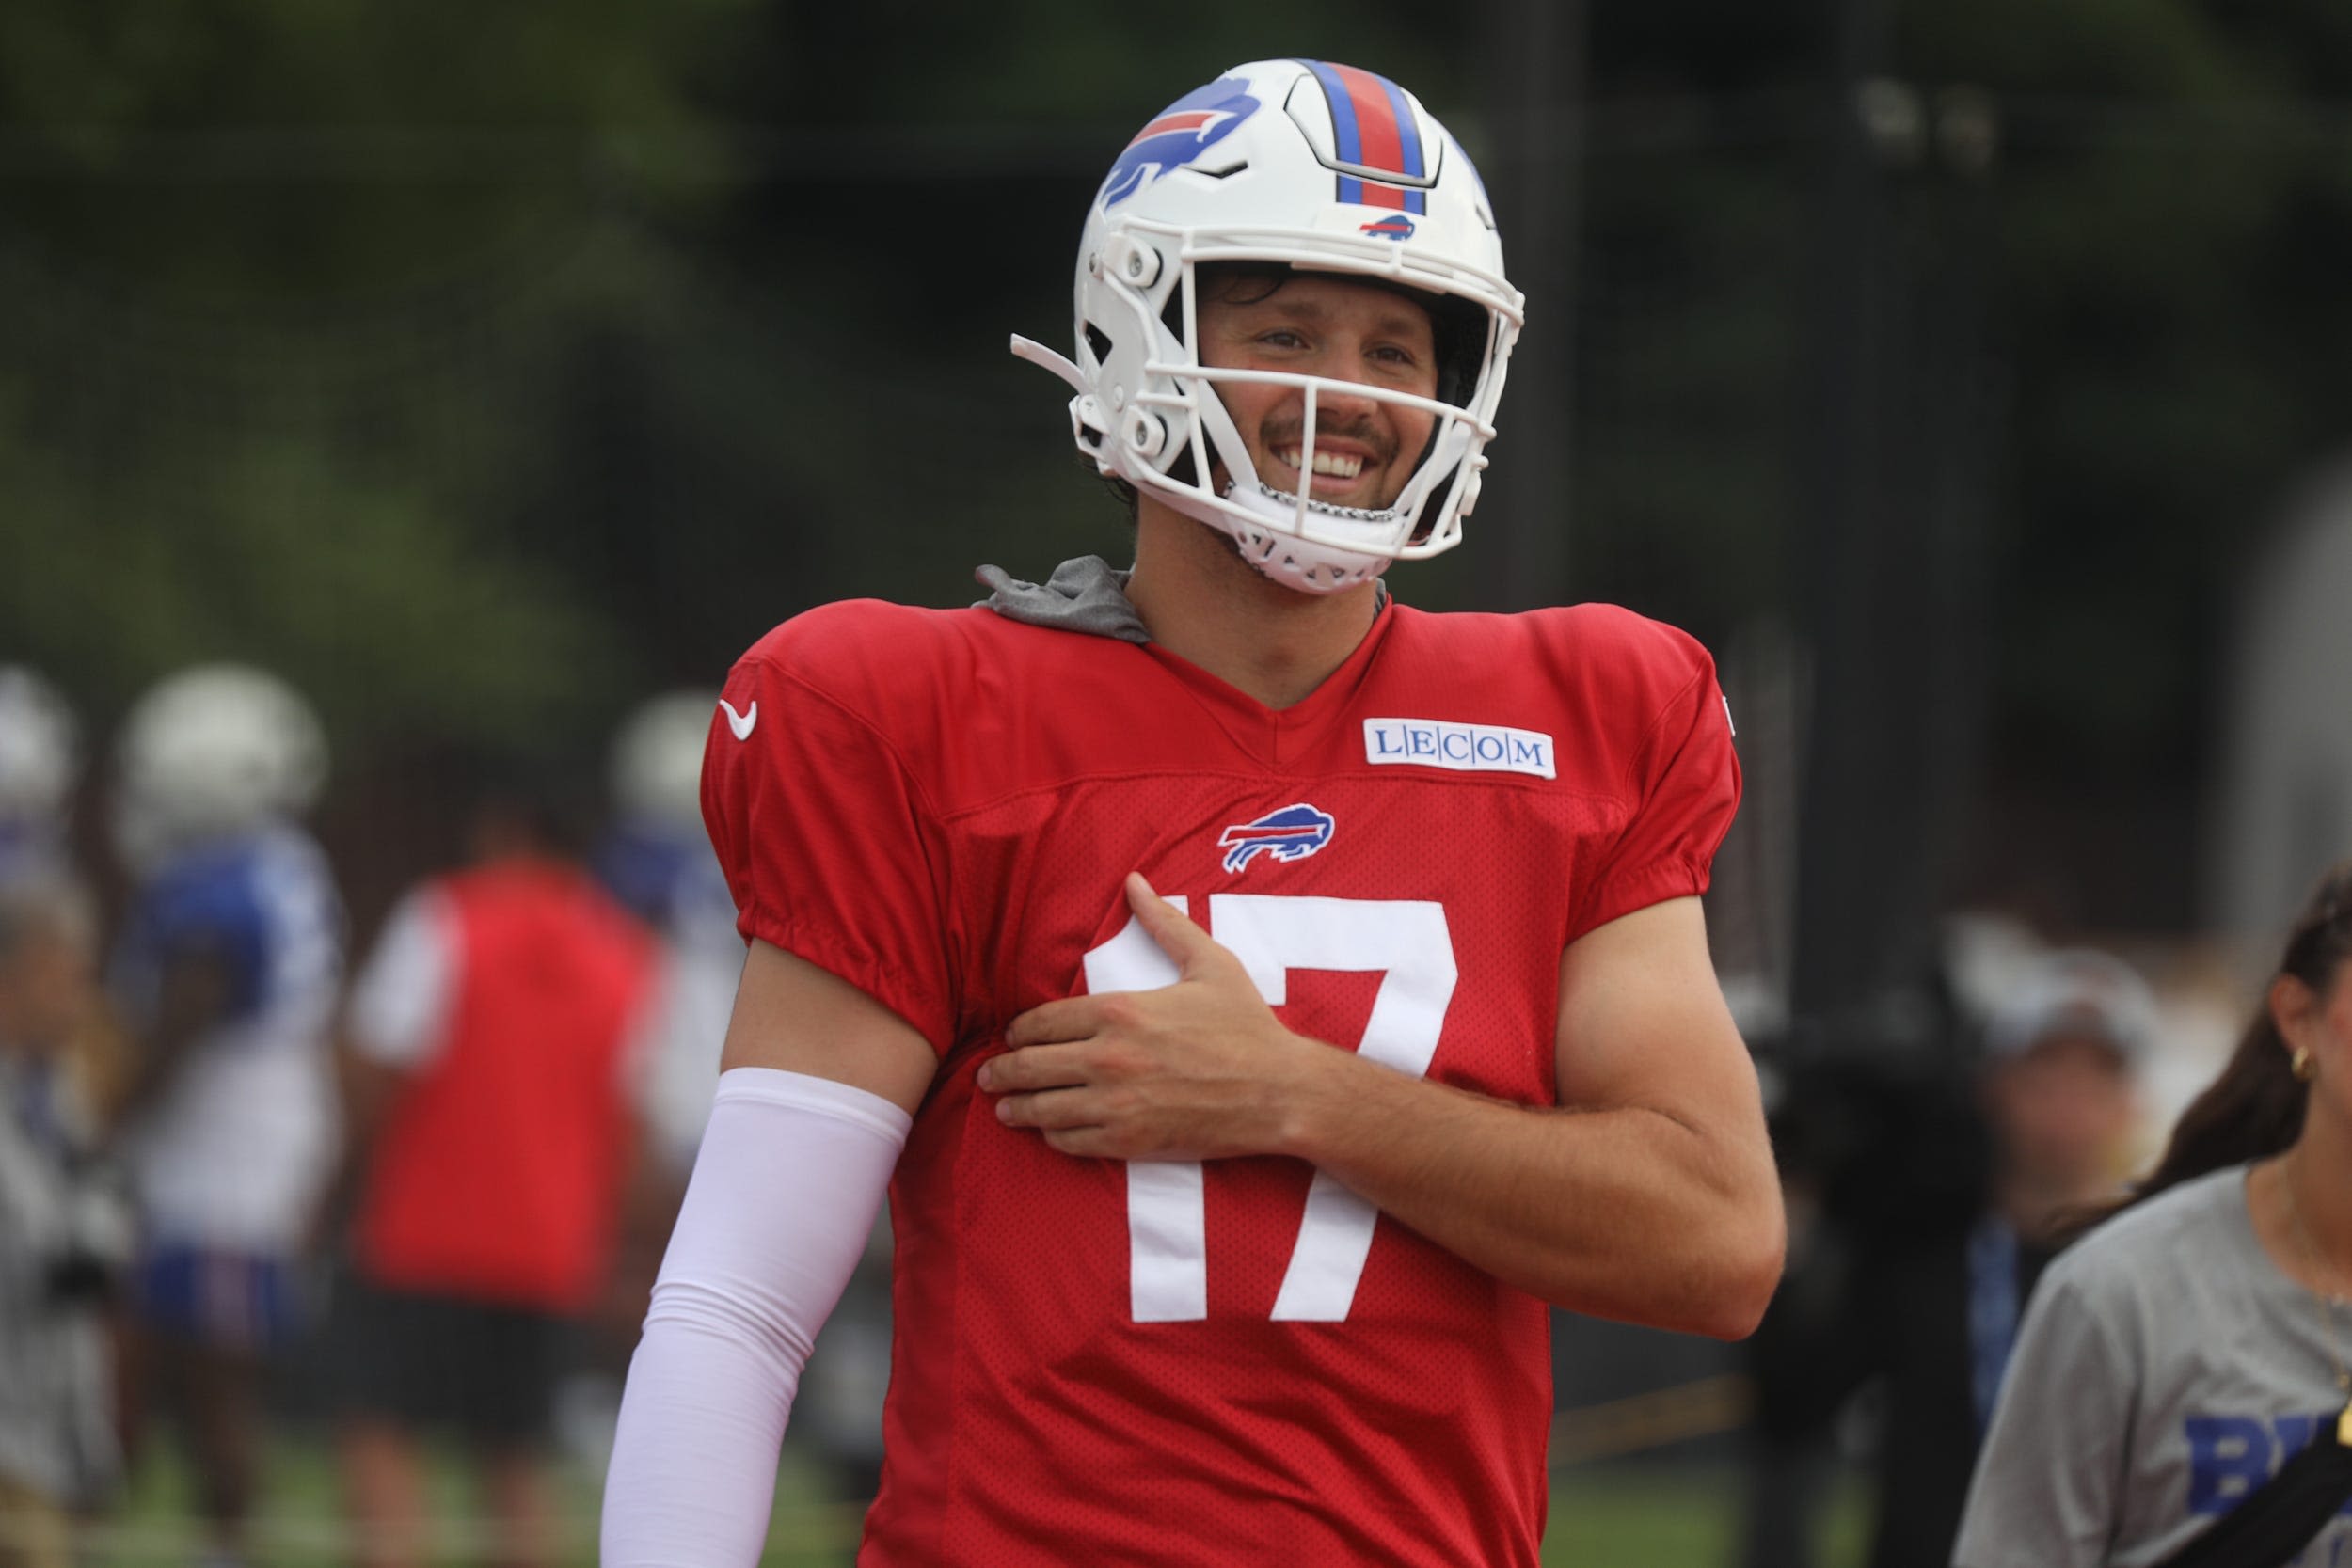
x=829, y=849
x=1682, y=779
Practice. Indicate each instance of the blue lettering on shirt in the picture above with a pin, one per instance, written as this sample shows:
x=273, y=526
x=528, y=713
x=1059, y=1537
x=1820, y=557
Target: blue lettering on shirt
x=2229, y=1456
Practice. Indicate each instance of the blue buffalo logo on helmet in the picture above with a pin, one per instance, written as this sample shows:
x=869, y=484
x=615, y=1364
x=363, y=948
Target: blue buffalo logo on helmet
x=1396, y=226
x=1292, y=833
x=1178, y=134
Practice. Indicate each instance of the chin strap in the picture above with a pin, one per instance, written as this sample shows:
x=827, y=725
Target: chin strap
x=1287, y=500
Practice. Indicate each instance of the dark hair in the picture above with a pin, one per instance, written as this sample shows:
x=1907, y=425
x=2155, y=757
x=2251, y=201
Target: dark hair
x=2254, y=1108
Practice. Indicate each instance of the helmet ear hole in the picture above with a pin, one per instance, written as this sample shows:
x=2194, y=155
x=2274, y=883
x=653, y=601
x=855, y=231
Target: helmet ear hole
x=1136, y=263
x=1099, y=342
x=1145, y=434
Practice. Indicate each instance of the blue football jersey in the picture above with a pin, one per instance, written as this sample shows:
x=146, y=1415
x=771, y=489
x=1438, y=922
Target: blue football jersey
x=231, y=1152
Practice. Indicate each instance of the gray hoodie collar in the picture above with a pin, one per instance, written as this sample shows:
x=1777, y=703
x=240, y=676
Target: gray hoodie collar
x=1087, y=594
x=1084, y=595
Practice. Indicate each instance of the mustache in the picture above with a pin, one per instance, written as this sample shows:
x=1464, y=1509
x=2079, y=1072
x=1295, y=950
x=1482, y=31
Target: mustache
x=1291, y=430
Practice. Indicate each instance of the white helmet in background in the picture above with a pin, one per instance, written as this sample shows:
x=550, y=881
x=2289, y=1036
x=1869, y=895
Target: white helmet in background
x=40, y=750
x=211, y=751
x=1313, y=165
x=657, y=760
x=2078, y=993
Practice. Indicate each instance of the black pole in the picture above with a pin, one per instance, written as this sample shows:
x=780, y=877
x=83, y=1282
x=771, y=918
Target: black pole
x=1535, y=167
x=1851, y=819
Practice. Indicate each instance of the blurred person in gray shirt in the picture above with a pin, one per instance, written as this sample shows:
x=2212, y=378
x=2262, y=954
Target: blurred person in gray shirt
x=64, y=1232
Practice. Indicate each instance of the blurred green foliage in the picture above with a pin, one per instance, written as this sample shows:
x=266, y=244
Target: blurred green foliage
x=2174, y=212
x=289, y=288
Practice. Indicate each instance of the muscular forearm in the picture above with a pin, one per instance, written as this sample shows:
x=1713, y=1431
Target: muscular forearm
x=1621, y=1213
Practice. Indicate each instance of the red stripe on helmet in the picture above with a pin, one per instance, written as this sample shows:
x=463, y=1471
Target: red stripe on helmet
x=1383, y=142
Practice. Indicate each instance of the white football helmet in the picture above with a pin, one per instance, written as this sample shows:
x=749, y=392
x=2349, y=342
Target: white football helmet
x=41, y=749
x=1318, y=167
x=211, y=751
x=657, y=760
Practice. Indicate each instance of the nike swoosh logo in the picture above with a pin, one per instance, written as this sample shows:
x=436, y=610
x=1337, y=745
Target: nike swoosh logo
x=741, y=722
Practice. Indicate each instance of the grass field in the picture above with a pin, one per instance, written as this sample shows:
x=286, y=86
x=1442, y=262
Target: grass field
x=1657, y=1517
x=1602, y=1516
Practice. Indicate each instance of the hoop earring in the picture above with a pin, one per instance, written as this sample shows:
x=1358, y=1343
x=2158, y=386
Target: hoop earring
x=2302, y=1065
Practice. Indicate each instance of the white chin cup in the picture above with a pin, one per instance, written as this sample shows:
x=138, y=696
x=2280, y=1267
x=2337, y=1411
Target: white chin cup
x=1308, y=565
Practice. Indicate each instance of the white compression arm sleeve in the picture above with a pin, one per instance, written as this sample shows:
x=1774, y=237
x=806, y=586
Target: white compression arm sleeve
x=785, y=1187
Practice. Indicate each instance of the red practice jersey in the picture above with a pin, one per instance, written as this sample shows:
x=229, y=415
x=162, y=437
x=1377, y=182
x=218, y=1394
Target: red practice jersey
x=1238, y=1362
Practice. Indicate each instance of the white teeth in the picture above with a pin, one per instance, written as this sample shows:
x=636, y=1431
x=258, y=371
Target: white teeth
x=1337, y=464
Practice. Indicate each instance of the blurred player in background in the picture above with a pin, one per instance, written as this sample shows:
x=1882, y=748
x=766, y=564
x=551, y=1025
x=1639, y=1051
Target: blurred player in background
x=490, y=1077
x=2177, y=1356
x=228, y=972
x=41, y=763
x=40, y=757
x=1176, y=1280
x=657, y=859
x=64, y=1231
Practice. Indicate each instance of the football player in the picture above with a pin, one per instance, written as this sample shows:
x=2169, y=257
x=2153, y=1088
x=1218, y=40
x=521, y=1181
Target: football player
x=40, y=758
x=1261, y=999
x=490, y=1122
x=657, y=859
x=227, y=973
x=40, y=764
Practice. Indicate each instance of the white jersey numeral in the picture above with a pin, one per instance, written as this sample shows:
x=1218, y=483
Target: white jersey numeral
x=1409, y=945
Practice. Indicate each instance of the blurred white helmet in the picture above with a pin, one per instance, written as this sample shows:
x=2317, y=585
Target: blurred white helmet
x=657, y=759
x=212, y=751
x=41, y=748
x=2078, y=993
x=1313, y=165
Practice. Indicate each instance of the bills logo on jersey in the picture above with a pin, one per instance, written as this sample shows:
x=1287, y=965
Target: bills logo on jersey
x=1292, y=833
x=1396, y=226
x=1178, y=134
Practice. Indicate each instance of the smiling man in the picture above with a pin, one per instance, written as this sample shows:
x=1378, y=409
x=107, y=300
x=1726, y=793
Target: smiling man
x=1260, y=999
x=1364, y=450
